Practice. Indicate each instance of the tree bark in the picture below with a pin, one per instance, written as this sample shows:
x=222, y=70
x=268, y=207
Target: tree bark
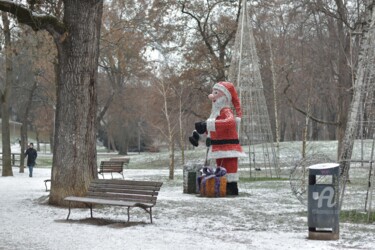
x=74, y=153
x=274, y=92
x=123, y=143
x=5, y=95
x=344, y=79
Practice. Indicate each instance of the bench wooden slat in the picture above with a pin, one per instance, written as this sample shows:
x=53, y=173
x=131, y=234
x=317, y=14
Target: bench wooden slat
x=124, y=191
x=109, y=168
x=140, y=189
x=142, y=194
x=96, y=200
x=124, y=182
x=146, y=199
x=121, y=159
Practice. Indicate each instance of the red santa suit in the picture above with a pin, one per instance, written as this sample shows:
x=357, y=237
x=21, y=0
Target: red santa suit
x=221, y=128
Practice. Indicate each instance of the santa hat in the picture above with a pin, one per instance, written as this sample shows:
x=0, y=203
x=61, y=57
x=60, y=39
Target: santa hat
x=230, y=92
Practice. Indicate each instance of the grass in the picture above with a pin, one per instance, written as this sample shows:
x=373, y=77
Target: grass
x=44, y=161
x=253, y=179
x=351, y=216
x=355, y=216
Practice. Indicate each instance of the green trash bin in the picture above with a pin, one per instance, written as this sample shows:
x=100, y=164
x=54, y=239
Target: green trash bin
x=190, y=175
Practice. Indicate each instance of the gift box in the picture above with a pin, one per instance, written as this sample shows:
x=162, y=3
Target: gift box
x=213, y=186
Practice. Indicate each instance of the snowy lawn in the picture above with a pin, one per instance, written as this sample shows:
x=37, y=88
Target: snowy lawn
x=264, y=216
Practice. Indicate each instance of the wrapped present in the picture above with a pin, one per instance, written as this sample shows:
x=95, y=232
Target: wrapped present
x=213, y=184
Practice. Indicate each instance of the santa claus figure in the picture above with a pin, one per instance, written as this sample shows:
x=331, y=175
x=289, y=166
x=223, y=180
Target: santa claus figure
x=221, y=130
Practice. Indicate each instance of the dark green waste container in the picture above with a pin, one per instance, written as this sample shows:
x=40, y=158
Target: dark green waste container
x=323, y=201
x=190, y=175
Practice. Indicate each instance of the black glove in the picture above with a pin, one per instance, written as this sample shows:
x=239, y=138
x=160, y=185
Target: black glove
x=201, y=127
x=194, y=139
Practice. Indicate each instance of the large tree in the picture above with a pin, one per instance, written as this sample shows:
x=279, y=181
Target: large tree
x=5, y=99
x=76, y=36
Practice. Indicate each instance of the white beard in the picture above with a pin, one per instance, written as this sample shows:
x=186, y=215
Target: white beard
x=218, y=105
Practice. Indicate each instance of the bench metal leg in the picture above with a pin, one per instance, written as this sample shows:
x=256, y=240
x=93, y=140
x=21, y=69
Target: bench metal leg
x=90, y=210
x=128, y=214
x=45, y=184
x=150, y=214
x=67, y=218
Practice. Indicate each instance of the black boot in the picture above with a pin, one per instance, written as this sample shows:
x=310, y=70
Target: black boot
x=232, y=188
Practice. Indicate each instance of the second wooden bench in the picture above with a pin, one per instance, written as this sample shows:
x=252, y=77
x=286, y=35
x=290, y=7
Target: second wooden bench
x=111, y=167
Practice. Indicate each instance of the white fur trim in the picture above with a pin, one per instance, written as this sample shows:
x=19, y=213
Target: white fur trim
x=238, y=120
x=225, y=154
x=223, y=89
x=211, y=124
x=233, y=177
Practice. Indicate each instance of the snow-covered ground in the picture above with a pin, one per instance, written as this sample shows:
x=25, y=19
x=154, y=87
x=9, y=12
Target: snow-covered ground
x=265, y=216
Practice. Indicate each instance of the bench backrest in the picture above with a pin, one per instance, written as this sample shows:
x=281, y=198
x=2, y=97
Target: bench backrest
x=126, y=190
x=111, y=165
x=123, y=159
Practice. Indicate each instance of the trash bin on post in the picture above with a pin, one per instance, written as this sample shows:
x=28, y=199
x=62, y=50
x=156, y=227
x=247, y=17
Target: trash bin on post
x=190, y=175
x=323, y=201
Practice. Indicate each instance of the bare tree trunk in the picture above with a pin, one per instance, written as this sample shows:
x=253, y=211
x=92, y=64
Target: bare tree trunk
x=23, y=129
x=365, y=62
x=74, y=153
x=274, y=88
x=111, y=142
x=344, y=77
x=51, y=142
x=37, y=139
x=170, y=131
x=306, y=129
x=182, y=132
x=5, y=95
x=123, y=147
x=170, y=136
x=23, y=141
x=171, y=157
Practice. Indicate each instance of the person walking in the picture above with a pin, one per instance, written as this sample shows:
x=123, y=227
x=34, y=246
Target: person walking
x=31, y=157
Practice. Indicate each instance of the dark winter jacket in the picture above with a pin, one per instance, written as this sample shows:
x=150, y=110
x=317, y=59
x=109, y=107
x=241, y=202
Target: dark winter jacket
x=31, y=156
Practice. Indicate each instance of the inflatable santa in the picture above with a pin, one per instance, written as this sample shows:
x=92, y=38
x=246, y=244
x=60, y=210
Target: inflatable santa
x=221, y=130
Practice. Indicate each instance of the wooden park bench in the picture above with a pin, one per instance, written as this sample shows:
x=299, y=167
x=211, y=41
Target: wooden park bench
x=111, y=167
x=127, y=193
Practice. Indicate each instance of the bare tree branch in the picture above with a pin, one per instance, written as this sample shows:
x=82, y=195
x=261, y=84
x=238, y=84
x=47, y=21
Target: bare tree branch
x=35, y=21
x=294, y=105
